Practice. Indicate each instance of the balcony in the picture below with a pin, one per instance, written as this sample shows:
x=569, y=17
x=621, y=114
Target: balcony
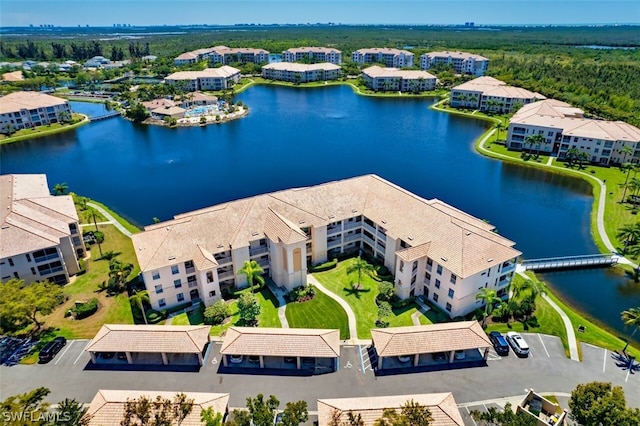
x=382, y=235
x=50, y=270
x=257, y=251
x=46, y=257
x=352, y=225
x=334, y=243
x=508, y=267
x=264, y=263
x=352, y=237
x=368, y=240
x=190, y=270
x=193, y=283
x=224, y=275
x=380, y=248
x=223, y=260
x=333, y=229
x=370, y=228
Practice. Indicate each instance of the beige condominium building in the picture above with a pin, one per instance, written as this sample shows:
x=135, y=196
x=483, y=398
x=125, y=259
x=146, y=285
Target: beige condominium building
x=396, y=58
x=40, y=237
x=301, y=73
x=229, y=55
x=314, y=54
x=462, y=62
x=491, y=94
x=394, y=79
x=432, y=248
x=207, y=79
x=565, y=128
x=23, y=110
x=193, y=57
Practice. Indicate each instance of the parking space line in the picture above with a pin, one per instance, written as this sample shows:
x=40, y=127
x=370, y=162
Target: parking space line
x=628, y=372
x=604, y=360
x=470, y=416
x=64, y=352
x=543, y=345
x=81, y=352
x=364, y=369
x=207, y=352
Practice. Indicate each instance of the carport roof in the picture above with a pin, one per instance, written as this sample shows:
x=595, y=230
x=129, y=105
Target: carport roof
x=150, y=338
x=107, y=406
x=450, y=336
x=282, y=342
x=442, y=406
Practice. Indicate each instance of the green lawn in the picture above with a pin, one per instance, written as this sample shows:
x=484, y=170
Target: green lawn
x=321, y=312
x=45, y=130
x=268, y=309
x=361, y=301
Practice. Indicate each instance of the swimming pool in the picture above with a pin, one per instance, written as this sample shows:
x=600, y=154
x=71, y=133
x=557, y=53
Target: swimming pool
x=202, y=110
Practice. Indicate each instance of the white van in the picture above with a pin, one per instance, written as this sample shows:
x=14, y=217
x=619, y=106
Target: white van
x=517, y=343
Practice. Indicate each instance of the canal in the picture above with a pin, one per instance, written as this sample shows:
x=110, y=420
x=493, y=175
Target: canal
x=294, y=137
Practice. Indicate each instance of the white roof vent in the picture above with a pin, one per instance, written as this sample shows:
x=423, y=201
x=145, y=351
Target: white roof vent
x=468, y=233
x=354, y=211
x=410, y=238
x=254, y=233
x=220, y=246
x=301, y=221
x=383, y=221
x=444, y=259
x=490, y=259
x=172, y=258
x=332, y=216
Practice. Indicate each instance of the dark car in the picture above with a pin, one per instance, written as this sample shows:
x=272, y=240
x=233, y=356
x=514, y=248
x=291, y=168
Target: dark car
x=499, y=343
x=51, y=349
x=439, y=356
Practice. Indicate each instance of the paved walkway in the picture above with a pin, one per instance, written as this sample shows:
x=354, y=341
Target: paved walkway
x=279, y=294
x=353, y=328
x=422, y=310
x=112, y=220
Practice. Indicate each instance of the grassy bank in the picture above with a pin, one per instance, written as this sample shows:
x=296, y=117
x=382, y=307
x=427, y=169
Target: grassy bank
x=314, y=314
x=46, y=130
x=124, y=222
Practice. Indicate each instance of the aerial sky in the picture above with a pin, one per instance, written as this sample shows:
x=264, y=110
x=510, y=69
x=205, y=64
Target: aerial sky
x=181, y=12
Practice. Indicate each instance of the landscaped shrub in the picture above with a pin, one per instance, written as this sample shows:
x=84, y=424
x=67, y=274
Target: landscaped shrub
x=398, y=303
x=216, y=313
x=324, y=266
x=178, y=308
x=154, y=316
x=86, y=309
x=302, y=293
x=382, y=270
x=385, y=291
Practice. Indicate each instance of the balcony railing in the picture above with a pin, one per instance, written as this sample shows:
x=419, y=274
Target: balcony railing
x=51, y=270
x=370, y=228
x=368, y=240
x=224, y=260
x=352, y=237
x=334, y=229
x=508, y=267
x=334, y=243
x=223, y=275
x=263, y=263
x=190, y=270
x=257, y=251
x=382, y=235
x=380, y=247
x=192, y=284
x=47, y=257
x=352, y=225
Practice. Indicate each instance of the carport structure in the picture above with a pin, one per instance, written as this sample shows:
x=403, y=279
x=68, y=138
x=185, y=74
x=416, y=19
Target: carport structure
x=140, y=342
x=276, y=346
x=442, y=406
x=420, y=341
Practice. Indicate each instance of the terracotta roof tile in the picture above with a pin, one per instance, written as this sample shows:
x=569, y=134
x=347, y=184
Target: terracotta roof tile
x=281, y=342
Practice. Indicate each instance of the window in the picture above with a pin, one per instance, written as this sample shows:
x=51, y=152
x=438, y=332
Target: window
x=180, y=297
x=429, y=261
x=28, y=257
x=10, y=261
x=451, y=293
x=435, y=297
x=427, y=276
x=401, y=266
x=162, y=303
x=33, y=271
x=448, y=307
x=189, y=265
x=177, y=283
x=212, y=293
x=453, y=279
x=155, y=275
x=439, y=269
x=175, y=269
x=159, y=289
x=437, y=283
x=209, y=277
x=16, y=276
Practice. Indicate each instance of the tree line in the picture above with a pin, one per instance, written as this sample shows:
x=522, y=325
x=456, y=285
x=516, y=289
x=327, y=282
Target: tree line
x=60, y=50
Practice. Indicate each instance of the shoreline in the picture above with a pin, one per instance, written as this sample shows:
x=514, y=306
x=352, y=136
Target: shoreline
x=35, y=135
x=226, y=118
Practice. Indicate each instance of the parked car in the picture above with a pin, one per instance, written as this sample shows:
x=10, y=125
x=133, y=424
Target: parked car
x=107, y=355
x=254, y=359
x=439, y=356
x=121, y=356
x=289, y=360
x=404, y=358
x=308, y=361
x=499, y=343
x=51, y=349
x=459, y=355
x=236, y=359
x=518, y=344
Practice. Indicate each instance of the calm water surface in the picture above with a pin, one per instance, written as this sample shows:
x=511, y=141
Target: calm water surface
x=304, y=137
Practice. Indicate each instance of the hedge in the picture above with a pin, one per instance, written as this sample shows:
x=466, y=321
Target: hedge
x=86, y=309
x=154, y=316
x=324, y=266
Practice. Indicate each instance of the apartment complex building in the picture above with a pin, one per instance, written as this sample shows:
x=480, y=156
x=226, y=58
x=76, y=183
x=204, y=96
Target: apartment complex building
x=462, y=62
x=207, y=79
x=432, y=248
x=565, y=128
x=491, y=95
x=228, y=55
x=40, y=236
x=24, y=110
x=394, y=79
x=301, y=73
x=392, y=58
x=312, y=54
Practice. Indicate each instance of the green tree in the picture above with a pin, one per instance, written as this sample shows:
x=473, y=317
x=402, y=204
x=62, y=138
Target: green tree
x=60, y=188
x=597, y=403
x=23, y=304
x=138, y=299
x=156, y=412
x=536, y=141
x=489, y=297
x=118, y=273
x=360, y=266
x=216, y=313
x=572, y=155
x=71, y=413
x=262, y=411
x=295, y=413
x=507, y=417
x=89, y=213
x=24, y=407
x=248, y=308
x=138, y=113
x=499, y=126
x=252, y=270
x=631, y=318
x=630, y=234
x=628, y=167
x=626, y=151
x=208, y=417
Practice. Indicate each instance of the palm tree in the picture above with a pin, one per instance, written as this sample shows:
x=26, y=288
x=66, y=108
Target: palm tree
x=60, y=188
x=90, y=213
x=628, y=167
x=499, y=126
x=138, y=298
x=518, y=286
x=536, y=140
x=572, y=154
x=489, y=297
x=253, y=271
x=630, y=233
x=359, y=266
x=118, y=273
x=626, y=150
x=582, y=157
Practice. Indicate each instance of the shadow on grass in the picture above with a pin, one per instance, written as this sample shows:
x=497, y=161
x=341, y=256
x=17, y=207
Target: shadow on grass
x=354, y=291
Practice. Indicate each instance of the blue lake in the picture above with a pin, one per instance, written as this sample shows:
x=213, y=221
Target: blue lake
x=295, y=137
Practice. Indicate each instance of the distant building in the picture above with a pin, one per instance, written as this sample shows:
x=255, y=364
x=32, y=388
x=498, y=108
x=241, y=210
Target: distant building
x=13, y=76
x=168, y=111
x=394, y=79
x=462, y=62
x=395, y=58
x=228, y=55
x=158, y=103
x=564, y=127
x=40, y=237
x=97, y=62
x=24, y=110
x=300, y=73
x=149, y=58
x=208, y=79
x=490, y=94
x=314, y=54
x=193, y=56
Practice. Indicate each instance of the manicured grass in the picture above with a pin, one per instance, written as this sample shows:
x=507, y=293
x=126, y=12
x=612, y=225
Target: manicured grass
x=49, y=129
x=320, y=312
x=124, y=222
x=268, y=309
x=362, y=301
x=193, y=317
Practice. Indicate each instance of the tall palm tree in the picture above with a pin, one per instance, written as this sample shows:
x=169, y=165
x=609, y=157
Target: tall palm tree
x=630, y=234
x=631, y=318
x=628, y=167
x=518, y=286
x=499, y=126
x=89, y=213
x=572, y=154
x=138, y=298
x=536, y=140
x=489, y=297
x=359, y=266
x=626, y=150
x=60, y=188
x=253, y=271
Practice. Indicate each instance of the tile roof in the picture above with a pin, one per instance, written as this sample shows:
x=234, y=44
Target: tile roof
x=398, y=341
x=298, y=67
x=376, y=71
x=278, y=228
x=17, y=101
x=150, y=338
x=561, y=115
x=158, y=103
x=13, y=76
x=443, y=408
x=455, y=55
x=312, y=49
x=32, y=219
x=468, y=244
x=410, y=254
x=107, y=406
x=383, y=50
x=168, y=110
x=493, y=87
x=281, y=342
x=224, y=71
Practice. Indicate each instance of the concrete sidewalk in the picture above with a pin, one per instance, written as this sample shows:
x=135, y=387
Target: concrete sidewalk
x=111, y=219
